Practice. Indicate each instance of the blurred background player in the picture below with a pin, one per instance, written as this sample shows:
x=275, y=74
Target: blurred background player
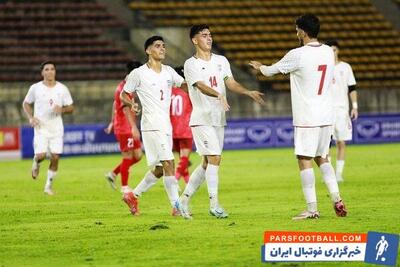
x=153, y=84
x=123, y=122
x=50, y=99
x=181, y=109
x=343, y=85
x=311, y=68
x=207, y=75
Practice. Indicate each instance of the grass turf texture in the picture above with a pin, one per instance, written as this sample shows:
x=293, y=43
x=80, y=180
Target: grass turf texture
x=87, y=224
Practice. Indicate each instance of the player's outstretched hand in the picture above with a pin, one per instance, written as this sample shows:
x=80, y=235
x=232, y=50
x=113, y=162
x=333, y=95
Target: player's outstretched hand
x=34, y=122
x=135, y=108
x=255, y=64
x=256, y=96
x=354, y=114
x=109, y=128
x=224, y=102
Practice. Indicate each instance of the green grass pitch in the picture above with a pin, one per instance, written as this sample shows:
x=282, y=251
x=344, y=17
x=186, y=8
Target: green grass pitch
x=87, y=224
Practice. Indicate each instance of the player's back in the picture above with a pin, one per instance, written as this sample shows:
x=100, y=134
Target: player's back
x=181, y=109
x=310, y=84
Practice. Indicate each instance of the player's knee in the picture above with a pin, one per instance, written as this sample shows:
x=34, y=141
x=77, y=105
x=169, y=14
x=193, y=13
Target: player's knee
x=54, y=157
x=214, y=160
x=158, y=171
x=40, y=157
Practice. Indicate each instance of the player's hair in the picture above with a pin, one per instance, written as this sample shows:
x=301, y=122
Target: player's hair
x=131, y=65
x=179, y=70
x=332, y=42
x=195, y=29
x=151, y=40
x=44, y=63
x=309, y=23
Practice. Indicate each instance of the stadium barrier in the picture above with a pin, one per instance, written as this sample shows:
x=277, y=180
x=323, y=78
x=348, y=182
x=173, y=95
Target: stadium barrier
x=239, y=134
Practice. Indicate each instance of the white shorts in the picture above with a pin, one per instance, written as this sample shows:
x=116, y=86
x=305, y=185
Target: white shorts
x=343, y=130
x=44, y=144
x=312, y=141
x=209, y=140
x=157, y=146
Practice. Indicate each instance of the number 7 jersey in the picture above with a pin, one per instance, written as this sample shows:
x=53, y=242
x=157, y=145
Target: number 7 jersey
x=311, y=69
x=154, y=91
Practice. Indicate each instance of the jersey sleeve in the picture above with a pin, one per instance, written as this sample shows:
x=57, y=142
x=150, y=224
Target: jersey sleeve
x=177, y=79
x=132, y=82
x=30, y=96
x=227, y=69
x=289, y=63
x=67, y=98
x=350, y=77
x=192, y=72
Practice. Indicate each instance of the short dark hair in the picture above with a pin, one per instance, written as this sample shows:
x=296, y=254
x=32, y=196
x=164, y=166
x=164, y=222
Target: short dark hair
x=151, y=40
x=332, y=42
x=195, y=29
x=309, y=23
x=179, y=70
x=44, y=63
x=131, y=65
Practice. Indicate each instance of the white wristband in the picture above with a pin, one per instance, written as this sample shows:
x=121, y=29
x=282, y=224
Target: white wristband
x=355, y=105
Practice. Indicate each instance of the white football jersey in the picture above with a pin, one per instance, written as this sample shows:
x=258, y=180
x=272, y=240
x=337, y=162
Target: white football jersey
x=44, y=98
x=207, y=110
x=343, y=78
x=311, y=71
x=154, y=91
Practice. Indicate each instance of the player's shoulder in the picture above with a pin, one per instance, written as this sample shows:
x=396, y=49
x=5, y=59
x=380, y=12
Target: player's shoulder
x=138, y=70
x=344, y=65
x=36, y=86
x=190, y=60
x=219, y=58
x=167, y=68
x=61, y=85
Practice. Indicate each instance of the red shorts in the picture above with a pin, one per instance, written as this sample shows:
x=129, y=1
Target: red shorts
x=127, y=143
x=182, y=143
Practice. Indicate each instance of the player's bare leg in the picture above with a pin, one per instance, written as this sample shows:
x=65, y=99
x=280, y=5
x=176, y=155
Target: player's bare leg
x=51, y=173
x=328, y=174
x=36, y=164
x=341, y=147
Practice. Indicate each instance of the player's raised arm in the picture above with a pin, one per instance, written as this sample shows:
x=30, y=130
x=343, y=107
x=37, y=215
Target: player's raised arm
x=236, y=87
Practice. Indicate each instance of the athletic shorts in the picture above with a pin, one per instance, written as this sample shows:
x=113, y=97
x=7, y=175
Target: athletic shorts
x=209, y=140
x=182, y=143
x=127, y=143
x=343, y=130
x=44, y=144
x=157, y=146
x=312, y=141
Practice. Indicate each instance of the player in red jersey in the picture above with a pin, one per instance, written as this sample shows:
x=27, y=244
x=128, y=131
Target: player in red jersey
x=123, y=122
x=181, y=109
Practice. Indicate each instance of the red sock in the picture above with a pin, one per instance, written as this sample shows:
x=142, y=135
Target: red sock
x=125, y=165
x=117, y=169
x=183, y=164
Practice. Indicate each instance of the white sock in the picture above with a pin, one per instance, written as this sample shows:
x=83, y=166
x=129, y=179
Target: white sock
x=171, y=187
x=339, y=166
x=195, y=180
x=328, y=174
x=50, y=177
x=147, y=182
x=125, y=189
x=308, y=184
x=212, y=184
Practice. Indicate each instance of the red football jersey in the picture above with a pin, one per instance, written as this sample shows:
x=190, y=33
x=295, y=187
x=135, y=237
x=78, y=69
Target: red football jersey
x=121, y=124
x=181, y=108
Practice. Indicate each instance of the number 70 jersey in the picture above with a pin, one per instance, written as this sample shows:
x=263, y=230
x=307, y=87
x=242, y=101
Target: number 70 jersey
x=311, y=69
x=154, y=91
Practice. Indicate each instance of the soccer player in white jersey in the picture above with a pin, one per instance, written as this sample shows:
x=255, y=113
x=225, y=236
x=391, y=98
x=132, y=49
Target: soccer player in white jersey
x=343, y=86
x=50, y=99
x=311, y=68
x=153, y=83
x=207, y=75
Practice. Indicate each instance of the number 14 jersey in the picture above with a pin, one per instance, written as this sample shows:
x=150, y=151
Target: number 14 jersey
x=311, y=69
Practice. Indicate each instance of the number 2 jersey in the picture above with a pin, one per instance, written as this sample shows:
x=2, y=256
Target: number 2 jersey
x=181, y=109
x=311, y=69
x=154, y=91
x=207, y=110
